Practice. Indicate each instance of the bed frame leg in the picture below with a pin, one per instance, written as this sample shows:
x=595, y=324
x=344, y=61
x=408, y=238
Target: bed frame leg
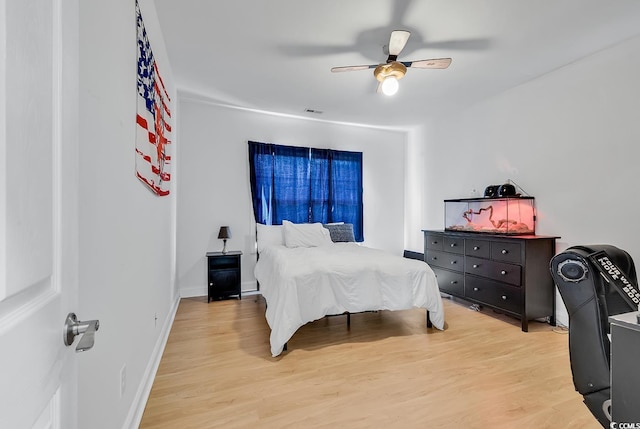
x=284, y=349
x=349, y=320
x=429, y=324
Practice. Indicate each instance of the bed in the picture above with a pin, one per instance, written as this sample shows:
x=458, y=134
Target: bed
x=307, y=272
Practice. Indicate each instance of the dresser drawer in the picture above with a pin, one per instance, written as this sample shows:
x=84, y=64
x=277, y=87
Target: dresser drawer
x=506, y=252
x=450, y=261
x=453, y=245
x=433, y=241
x=450, y=281
x=477, y=248
x=492, y=293
x=499, y=271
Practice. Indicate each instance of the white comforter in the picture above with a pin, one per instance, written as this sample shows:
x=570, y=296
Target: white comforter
x=307, y=283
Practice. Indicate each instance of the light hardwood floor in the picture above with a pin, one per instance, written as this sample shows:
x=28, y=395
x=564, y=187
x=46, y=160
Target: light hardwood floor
x=387, y=371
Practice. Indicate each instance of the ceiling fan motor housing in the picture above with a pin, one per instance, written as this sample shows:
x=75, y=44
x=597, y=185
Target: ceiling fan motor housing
x=393, y=68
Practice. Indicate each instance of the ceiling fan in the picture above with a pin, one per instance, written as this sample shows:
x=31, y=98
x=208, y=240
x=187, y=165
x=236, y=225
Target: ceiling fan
x=393, y=70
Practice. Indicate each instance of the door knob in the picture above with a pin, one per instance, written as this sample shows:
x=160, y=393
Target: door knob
x=73, y=327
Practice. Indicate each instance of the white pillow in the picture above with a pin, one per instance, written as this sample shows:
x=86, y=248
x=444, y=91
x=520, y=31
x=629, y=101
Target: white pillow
x=268, y=235
x=305, y=234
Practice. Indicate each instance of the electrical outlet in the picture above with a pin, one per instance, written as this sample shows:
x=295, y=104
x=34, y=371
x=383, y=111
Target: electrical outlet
x=123, y=380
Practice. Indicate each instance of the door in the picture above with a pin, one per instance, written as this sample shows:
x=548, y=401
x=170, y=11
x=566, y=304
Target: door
x=38, y=211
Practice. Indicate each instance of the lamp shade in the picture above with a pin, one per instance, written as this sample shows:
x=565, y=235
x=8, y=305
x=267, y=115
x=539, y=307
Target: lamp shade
x=225, y=232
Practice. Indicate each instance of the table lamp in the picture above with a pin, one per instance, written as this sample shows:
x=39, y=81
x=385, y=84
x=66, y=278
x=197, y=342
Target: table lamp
x=224, y=234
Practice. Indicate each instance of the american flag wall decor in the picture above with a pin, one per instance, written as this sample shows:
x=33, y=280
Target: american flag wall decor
x=153, y=118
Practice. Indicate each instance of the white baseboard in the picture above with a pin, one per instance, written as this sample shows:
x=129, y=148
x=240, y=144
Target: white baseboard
x=190, y=292
x=193, y=291
x=144, y=389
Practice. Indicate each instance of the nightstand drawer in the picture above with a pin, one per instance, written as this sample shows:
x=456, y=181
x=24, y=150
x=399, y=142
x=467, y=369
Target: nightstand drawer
x=223, y=282
x=224, y=262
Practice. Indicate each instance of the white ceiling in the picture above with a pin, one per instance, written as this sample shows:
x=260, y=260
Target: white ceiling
x=276, y=55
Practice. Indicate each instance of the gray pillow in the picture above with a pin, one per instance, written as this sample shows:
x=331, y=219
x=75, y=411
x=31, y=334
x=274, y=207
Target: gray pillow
x=340, y=232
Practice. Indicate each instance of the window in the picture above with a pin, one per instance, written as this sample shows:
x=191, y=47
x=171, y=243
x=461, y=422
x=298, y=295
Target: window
x=306, y=185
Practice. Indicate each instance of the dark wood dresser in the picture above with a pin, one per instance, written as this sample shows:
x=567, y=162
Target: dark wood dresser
x=507, y=273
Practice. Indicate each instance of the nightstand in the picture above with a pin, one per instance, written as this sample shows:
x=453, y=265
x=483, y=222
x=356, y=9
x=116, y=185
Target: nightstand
x=223, y=273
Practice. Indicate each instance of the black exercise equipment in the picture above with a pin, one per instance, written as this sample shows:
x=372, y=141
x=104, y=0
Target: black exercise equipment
x=595, y=282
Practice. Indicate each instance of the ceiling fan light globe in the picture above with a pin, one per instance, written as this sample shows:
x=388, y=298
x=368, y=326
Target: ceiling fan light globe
x=390, y=85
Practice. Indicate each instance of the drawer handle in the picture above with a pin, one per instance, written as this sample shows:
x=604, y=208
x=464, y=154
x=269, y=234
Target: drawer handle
x=504, y=251
x=504, y=297
x=476, y=289
x=476, y=248
x=503, y=272
x=453, y=245
x=454, y=262
x=454, y=282
x=476, y=266
x=434, y=258
x=434, y=242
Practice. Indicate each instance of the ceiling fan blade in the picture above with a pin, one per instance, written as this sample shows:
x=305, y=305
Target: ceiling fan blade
x=434, y=63
x=397, y=41
x=353, y=68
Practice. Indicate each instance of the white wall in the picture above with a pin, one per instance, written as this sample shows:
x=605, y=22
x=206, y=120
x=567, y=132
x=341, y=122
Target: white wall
x=127, y=245
x=214, y=185
x=570, y=138
x=415, y=186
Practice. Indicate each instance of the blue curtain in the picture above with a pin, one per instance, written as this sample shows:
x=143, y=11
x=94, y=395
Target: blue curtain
x=261, y=176
x=291, y=186
x=320, y=196
x=345, y=189
x=306, y=185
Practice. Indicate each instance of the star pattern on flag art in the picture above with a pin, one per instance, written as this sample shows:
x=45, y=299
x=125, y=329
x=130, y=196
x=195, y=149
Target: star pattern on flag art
x=153, y=118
